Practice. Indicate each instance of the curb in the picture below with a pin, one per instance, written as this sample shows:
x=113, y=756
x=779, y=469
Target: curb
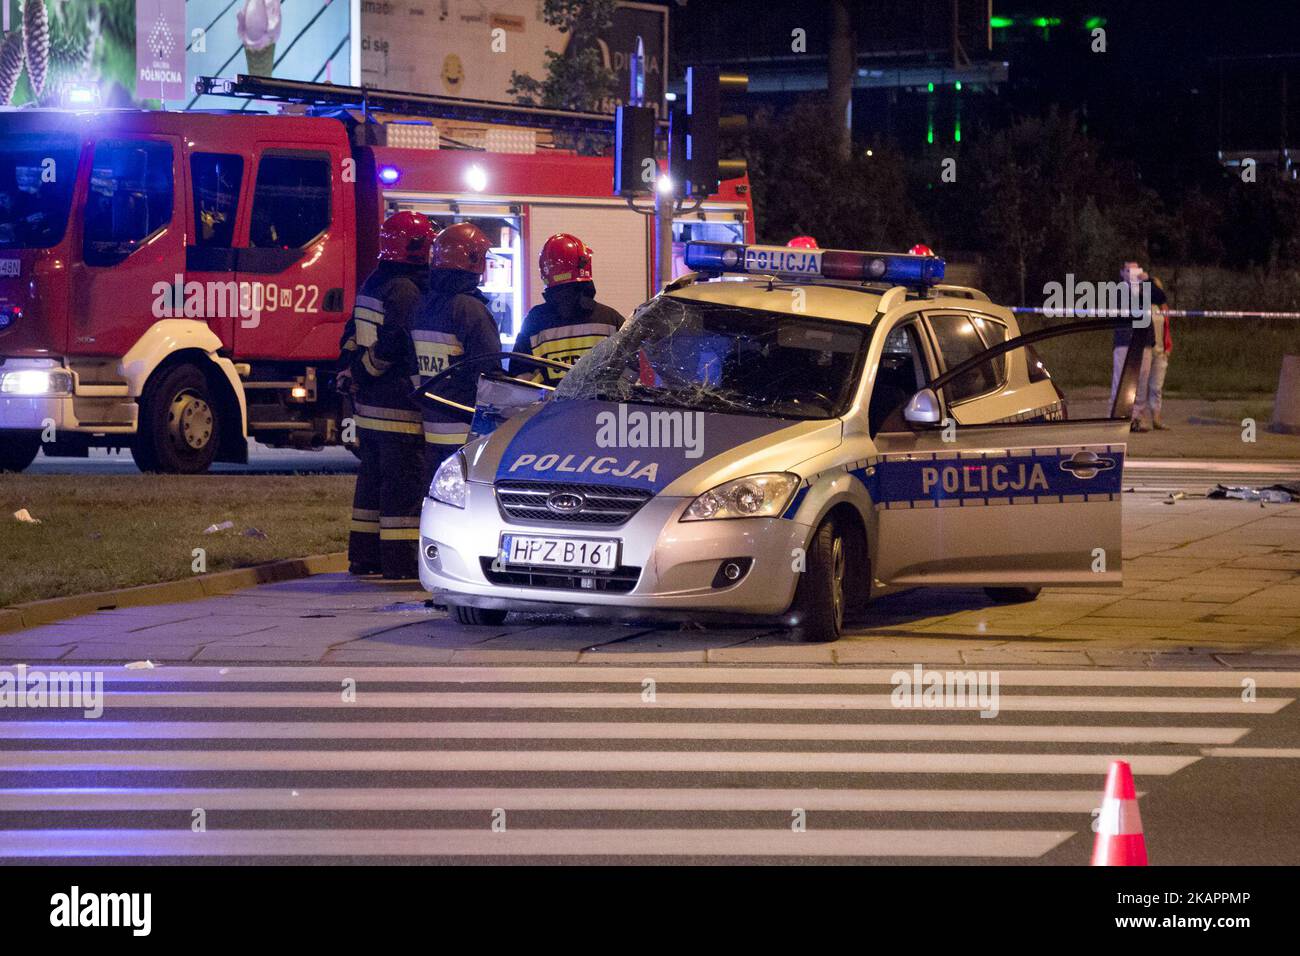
x=17, y=617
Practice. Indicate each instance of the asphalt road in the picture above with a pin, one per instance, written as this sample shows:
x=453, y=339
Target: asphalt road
x=593, y=764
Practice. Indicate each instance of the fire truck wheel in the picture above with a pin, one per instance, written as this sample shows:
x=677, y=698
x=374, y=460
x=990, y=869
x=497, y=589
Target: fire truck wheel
x=18, y=449
x=179, y=424
x=819, y=598
x=490, y=617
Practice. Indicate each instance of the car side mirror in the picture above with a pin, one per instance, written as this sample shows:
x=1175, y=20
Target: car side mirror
x=923, y=408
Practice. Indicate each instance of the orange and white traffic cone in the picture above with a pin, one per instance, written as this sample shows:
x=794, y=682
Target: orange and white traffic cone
x=1119, y=832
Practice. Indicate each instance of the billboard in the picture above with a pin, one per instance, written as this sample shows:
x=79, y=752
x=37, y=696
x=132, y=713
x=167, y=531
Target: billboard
x=50, y=46
x=293, y=40
x=468, y=48
x=121, y=53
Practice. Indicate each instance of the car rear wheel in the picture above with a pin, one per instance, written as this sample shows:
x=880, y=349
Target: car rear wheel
x=18, y=449
x=819, y=599
x=1011, y=595
x=478, y=616
x=179, y=427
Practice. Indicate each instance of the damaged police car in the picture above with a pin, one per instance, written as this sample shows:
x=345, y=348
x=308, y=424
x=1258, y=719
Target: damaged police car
x=782, y=435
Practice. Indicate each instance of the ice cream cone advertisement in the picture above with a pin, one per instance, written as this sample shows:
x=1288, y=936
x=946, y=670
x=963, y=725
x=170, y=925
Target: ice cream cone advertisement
x=258, y=25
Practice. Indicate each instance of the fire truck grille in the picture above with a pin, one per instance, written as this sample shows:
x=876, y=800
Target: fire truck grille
x=619, y=581
x=553, y=501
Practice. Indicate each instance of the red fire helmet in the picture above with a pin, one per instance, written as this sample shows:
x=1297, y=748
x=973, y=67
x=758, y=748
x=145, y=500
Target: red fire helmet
x=462, y=246
x=803, y=242
x=564, y=258
x=921, y=249
x=406, y=237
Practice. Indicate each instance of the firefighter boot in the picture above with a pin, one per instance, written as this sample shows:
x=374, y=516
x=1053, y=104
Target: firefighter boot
x=363, y=539
x=401, y=496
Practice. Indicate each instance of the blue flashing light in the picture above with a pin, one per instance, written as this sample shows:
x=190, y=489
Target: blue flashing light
x=891, y=267
x=389, y=175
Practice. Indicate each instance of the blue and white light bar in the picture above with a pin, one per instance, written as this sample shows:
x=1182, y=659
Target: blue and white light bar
x=892, y=267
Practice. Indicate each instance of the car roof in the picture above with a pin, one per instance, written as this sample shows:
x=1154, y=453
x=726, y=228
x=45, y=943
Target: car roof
x=840, y=301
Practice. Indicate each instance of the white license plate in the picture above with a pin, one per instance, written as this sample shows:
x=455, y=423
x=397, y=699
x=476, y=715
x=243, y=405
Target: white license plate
x=11, y=267
x=538, y=550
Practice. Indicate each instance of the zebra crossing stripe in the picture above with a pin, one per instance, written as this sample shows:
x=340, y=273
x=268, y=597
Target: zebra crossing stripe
x=631, y=699
x=520, y=842
x=685, y=674
x=584, y=761
x=557, y=799
x=983, y=732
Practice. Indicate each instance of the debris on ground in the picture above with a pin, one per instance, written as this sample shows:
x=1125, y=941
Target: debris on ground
x=25, y=516
x=140, y=666
x=214, y=528
x=1271, y=494
x=1175, y=496
x=255, y=533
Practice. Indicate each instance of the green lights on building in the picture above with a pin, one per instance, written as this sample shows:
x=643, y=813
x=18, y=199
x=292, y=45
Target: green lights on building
x=1042, y=23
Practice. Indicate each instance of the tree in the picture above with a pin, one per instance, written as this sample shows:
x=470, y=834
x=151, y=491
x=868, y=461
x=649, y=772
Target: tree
x=840, y=68
x=1047, y=202
x=577, y=79
x=804, y=185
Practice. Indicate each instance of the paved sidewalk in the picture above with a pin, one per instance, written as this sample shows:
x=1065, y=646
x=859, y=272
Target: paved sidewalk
x=1207, y=583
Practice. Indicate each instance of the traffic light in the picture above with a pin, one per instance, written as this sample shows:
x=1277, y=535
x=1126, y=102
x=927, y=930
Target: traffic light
x=635, y=170
x=704, y=167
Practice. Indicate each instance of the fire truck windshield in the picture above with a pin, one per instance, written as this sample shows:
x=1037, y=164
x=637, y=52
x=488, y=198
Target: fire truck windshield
x=711, y=357
x=37, y=172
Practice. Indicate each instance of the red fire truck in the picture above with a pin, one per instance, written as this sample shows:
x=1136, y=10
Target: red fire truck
x=177, y=283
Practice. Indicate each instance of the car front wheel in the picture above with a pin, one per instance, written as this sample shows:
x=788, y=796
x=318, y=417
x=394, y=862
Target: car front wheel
x=1011, y=595
x=478, y=616
x=819, y=599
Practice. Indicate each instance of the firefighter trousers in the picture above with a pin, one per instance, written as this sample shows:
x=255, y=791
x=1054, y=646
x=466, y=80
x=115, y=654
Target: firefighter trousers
x=386, y=505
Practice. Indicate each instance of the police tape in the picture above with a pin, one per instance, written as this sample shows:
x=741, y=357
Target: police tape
x=1172, y=313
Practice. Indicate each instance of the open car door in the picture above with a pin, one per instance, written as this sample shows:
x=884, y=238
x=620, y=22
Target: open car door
x=1024, y=503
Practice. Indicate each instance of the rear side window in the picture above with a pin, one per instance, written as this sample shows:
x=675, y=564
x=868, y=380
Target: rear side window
x=130, y=198
x=959, y=341
x=291, y=200
x=993, y=333
x=217, y=178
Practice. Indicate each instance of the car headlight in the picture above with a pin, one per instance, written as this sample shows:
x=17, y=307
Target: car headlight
x=758, y=496
x=448, y=484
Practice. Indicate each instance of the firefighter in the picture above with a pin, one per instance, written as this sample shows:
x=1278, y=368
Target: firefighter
x=453, y=324
x=570, y=323
x=380, y=360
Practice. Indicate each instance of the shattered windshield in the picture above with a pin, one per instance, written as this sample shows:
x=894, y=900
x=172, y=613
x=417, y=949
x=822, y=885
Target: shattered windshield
x=708, y=357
